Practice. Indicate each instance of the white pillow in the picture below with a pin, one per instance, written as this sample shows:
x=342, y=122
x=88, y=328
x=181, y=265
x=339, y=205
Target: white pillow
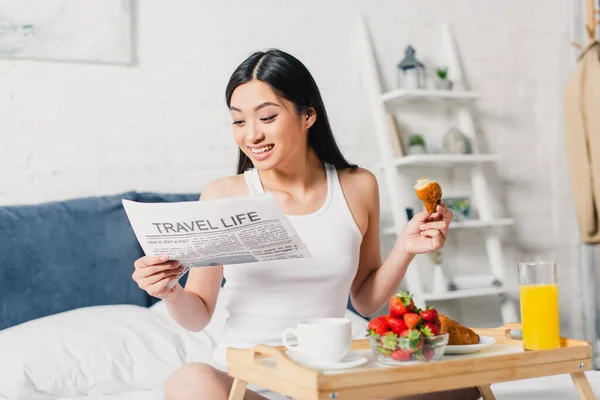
x=216, y=324
x=104, y=349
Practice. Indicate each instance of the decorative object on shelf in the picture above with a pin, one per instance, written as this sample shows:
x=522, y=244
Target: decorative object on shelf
x=460, y=207
x=439, y=282
x=443, y=83
x=411, y=72
x=456, y=142
x=416, y=144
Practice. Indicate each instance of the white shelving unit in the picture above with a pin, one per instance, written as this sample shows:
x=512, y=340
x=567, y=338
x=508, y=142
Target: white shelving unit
x=440, y=160
x=464, y=293
x=394, y=170
x=392, y=99
x=467, y=224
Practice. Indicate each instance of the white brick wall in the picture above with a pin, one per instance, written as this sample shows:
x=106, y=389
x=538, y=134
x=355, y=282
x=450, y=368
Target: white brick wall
x=82, y=129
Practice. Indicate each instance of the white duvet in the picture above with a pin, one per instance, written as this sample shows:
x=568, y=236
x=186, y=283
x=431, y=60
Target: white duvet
x=105, y=352
x=125, y=352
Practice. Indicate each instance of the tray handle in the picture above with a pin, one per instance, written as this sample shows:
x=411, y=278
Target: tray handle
x=264, y=357
x=261, y=351
x=502, y=333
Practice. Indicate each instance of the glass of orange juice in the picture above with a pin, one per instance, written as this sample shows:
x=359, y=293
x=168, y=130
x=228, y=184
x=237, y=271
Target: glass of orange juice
x=539, y=305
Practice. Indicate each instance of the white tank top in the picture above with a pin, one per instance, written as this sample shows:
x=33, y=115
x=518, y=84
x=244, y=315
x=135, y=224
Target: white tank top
x=264, y=298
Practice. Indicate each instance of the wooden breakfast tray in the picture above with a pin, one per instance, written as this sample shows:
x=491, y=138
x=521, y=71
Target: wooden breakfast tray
x=506, y=360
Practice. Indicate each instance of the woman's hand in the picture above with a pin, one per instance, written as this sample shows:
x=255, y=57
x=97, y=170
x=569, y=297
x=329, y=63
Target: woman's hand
x=154, y=273
x=426, y=232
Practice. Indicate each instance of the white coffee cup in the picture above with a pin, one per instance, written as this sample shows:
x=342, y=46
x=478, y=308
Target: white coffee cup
x=321, y=339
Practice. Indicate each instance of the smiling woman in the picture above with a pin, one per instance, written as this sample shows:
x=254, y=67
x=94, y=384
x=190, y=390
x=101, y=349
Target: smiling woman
x=287, y=149
x=292, y=104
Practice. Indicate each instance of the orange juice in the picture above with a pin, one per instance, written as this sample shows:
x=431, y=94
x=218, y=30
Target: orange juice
x=539, y=315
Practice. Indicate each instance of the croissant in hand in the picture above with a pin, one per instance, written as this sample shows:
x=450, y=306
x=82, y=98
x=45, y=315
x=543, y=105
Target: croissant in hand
x=429, y=192
x=457, y=334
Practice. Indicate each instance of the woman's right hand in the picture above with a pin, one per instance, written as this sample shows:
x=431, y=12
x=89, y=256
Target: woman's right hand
x=154, y=273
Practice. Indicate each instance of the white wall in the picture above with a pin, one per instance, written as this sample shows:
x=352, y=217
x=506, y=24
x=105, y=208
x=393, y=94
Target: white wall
x=81, y=129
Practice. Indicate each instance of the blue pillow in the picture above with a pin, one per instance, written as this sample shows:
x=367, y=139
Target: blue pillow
x=147, y=197
x=63, y=255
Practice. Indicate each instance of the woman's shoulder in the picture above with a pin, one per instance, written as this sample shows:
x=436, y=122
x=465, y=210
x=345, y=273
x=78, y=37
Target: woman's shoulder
x=352, y=178
x=228, y=186
x=358, y=177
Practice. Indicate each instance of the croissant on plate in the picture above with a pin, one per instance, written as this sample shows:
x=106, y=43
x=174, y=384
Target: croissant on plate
x=457, y=334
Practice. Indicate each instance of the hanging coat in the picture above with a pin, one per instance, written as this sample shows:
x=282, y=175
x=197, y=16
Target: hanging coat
x=582, y=119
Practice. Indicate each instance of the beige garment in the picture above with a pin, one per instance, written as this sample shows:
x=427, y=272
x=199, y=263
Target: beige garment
x=582, y=118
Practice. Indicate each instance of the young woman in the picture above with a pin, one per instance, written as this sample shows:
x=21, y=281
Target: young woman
x=286, y=148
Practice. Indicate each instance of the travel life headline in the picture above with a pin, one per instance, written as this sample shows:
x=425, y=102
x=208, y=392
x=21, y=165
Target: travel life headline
x=203, y=225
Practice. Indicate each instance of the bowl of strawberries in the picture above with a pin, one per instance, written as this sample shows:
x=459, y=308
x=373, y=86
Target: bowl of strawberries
x=407, y=334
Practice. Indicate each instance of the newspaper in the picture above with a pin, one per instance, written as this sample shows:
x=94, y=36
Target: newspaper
x=236, y=230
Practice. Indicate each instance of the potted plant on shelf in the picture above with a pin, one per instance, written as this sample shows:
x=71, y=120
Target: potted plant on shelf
x=416, y=144
x=443, y=83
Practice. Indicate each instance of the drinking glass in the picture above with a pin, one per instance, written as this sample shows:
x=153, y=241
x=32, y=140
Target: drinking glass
x=539, y=305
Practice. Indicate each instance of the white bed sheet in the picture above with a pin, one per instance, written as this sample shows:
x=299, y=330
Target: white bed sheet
x=559, y=387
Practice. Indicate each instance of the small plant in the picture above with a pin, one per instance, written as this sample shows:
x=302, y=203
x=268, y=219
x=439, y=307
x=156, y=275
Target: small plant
x=442, y=72
x=416, y=140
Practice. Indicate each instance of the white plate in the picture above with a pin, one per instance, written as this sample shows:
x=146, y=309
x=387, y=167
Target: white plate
x=484, y=341
x=353, y=359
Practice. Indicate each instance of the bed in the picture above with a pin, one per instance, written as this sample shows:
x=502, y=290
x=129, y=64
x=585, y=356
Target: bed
x=126, y=352
x=73, y=324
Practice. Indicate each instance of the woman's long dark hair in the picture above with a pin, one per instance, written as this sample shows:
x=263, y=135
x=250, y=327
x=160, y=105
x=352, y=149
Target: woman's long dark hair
x=290, y=79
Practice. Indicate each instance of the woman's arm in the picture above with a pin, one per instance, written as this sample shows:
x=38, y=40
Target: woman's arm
x=193, y=307
x=376, y=282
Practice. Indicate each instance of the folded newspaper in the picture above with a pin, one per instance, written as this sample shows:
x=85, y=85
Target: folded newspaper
x=235, y=230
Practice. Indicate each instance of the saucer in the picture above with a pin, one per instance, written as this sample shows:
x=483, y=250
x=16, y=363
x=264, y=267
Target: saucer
x=353, y=359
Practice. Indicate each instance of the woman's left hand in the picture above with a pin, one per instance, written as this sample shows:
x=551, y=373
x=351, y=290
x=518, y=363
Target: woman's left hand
x=426, y=232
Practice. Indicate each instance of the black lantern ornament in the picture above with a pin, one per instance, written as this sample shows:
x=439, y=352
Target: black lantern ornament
x=411, y=72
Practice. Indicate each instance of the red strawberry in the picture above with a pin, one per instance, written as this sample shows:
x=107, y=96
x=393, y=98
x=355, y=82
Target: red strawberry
x=430, y=314
x=385, y=352
x=397, y=325
x=401, y=304
x=400, y=355
x=411, y=319
x=428, y=354
x=404, y=341
x=420, y=343
x=430, y=329
x=411, y=340
x=379, y=325
x=389, y=341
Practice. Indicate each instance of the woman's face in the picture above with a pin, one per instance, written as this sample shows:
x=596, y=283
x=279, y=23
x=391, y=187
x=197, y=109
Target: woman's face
x=267, y=128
